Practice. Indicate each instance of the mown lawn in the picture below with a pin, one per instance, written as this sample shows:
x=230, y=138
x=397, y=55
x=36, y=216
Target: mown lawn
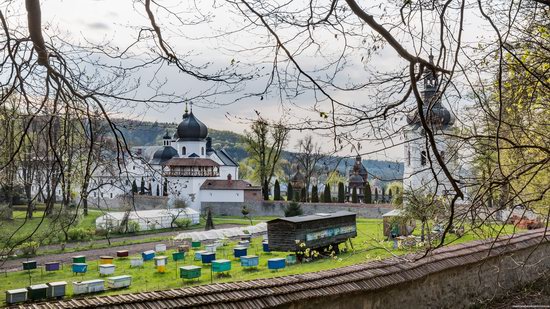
x=46, y=230
x=368, y=245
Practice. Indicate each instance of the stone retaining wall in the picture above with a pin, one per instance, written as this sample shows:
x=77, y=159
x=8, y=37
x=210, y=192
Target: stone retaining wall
x=271, y=208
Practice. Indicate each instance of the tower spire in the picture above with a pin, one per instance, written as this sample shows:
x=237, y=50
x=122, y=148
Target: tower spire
x=186, y=111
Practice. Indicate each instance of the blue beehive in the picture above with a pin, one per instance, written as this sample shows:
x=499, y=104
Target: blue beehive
x=198, y=255
x=250, y=261
x=148, y=255
x=239, y=251
x=265, y=246
x=80, y=268
x=276, y=263
x=208, y=257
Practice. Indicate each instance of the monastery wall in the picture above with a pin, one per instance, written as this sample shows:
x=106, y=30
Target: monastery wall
x=272, y=208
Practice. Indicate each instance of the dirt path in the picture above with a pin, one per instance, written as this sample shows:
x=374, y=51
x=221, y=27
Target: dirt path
x=94, y=254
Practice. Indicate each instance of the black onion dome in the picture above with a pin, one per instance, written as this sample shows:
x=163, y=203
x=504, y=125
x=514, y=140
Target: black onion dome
x=356, y=179
x=163, y=154
x=438, y=116
x=191, y=129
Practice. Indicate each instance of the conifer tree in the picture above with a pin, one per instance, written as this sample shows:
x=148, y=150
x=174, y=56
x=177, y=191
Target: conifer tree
x=303, y=195
x=165, y=187
x=314, y=194
x=142, y=187
x=327, y=197
x=368, y=193
x=376, y=195
x=341, y=193
x=265, y=190
x=293, y=209
x=134, y=187
x=277, y=191
x=289, y=192
x=354, y=196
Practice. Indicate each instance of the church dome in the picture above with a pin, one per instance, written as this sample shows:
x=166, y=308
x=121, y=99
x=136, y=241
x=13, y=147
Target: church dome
x=191, y=129
x=438, y=116
x=356, y=179
x=163, y=154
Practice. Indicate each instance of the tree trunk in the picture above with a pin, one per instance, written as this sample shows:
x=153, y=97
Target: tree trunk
x=422, y=232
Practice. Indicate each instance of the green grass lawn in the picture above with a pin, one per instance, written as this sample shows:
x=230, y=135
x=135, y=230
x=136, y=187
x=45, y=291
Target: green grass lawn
x=45, y=231
x=368, y=245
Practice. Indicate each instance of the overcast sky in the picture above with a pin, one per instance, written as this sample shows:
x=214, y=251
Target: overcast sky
x=118, y=21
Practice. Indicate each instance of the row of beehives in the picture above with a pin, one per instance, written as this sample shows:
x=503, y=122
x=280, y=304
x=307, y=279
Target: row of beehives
x=57, y=290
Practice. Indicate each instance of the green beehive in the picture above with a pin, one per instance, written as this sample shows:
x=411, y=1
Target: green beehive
x=178, y=256
x=221, y=265
x=190, y=272
x=196, y=244
x=79, y=259
x=38, y=291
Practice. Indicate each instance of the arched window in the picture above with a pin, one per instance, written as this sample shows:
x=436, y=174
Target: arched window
x=183, y=151
x=423, y=158
x=202, y=151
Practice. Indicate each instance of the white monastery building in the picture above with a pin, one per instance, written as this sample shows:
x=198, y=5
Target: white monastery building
x=185, y=167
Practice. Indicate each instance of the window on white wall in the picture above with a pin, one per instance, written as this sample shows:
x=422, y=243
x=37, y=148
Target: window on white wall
x=183, y=151
x=202, y=151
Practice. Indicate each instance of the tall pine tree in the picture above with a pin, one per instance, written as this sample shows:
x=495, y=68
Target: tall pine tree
x=303, y=195
x=375, y=194
x=314, y=194
x=341, y=193
x=134, y=187
x=265, y=190
x=277, y=191
x=142, y=186
x=354, y=196
x=368, y=193
x=289, y=192
x=327, y=198
x=165, y=187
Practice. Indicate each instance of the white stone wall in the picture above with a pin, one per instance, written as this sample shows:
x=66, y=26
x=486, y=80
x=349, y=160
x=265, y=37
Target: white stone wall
x=222, y=196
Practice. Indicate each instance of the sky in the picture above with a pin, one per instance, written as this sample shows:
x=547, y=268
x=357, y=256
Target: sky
x=98, y=21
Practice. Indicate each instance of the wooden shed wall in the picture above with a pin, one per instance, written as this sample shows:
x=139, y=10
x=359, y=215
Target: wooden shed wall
x=282, y=235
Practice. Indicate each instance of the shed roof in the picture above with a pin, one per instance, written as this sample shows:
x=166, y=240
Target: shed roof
x=315, y=217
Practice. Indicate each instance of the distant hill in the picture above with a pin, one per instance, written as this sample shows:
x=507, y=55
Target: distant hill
x=143, y=133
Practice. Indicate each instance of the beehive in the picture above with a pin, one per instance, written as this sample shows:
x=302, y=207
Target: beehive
x=190, y=272
x=57, y=289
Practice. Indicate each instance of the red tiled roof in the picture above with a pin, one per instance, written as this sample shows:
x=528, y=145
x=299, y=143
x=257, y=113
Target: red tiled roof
x=191, y=162
x=221, y=184
x=279, y=291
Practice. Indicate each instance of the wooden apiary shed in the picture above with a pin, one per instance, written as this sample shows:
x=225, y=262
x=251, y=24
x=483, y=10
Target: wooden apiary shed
x=315, y=231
